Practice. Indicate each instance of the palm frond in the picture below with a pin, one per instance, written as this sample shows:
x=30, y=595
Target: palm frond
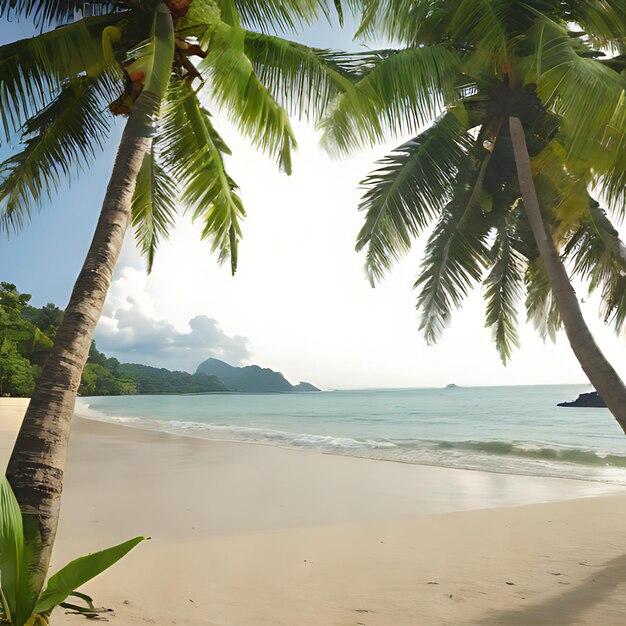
x=503, y=290
x=32, y=70
x=59, y=140
x=482, y=24
x=284, y=15
x=562, y=189
x=250, y=105
x=193, y=153
x=412, y=185
x=599, y=256
x=612, y=170
x=541, y=308
x=456, y=256
x=303, y=80
x=403, y=91
x=54, y=12
x=153, y=207
x=602, y=21
x=588, y=97
x=412, y=22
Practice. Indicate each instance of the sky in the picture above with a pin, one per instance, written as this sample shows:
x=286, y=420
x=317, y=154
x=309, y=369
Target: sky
x=300, y=302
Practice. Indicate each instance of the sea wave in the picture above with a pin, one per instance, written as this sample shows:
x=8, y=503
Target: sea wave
x=510, y=457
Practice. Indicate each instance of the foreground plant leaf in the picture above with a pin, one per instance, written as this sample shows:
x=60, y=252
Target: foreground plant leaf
x=79, y=571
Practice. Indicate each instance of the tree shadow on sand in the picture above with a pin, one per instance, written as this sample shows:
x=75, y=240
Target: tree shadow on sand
x=568, y=607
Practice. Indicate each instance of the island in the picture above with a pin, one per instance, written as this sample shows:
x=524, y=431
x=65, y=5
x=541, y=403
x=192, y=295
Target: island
x=591, y=400
x=251, y=378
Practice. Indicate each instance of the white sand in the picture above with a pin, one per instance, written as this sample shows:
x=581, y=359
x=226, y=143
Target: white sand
x=247, y=534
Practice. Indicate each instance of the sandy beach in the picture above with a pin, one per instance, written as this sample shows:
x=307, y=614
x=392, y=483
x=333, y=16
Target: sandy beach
x=250, y=534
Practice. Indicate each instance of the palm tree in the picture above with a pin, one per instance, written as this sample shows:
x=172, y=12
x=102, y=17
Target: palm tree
x=146, y=59
x=527, y=113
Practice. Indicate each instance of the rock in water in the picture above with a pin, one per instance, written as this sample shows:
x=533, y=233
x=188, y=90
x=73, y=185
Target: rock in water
x=592, y=399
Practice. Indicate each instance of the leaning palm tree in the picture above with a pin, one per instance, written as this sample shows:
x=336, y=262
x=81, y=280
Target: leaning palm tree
x=148, y=60
x=526, y=111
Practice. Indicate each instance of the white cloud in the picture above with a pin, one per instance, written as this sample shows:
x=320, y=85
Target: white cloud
x=130, y=330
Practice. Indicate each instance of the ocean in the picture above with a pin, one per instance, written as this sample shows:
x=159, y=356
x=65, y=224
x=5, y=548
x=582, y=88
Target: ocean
x=513, y=430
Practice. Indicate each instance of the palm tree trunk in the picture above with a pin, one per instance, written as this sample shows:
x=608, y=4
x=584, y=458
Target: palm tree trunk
x=37, y=463
x=599, y=371
x=36, y=466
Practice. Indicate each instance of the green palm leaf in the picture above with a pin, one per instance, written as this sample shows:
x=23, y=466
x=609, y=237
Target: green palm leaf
x=285, y=15
x=409, y=21
x=483, y=23
x=604, y=22
x=541, y=309
x=194, y=151
x=153, y=207
x=599, y=256
x=46, y=12
x=401, y=92
x=59, y=140
x=588, y=96
x=456, y=256
x=236, y=88
x=503, y=290
x=304, y=80
x=410, y=188
x=33, y=70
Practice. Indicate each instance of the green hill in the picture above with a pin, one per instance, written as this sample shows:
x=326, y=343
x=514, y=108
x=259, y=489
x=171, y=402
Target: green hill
x=251, y=378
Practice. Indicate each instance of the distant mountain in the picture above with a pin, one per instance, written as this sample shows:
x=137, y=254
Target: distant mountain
x=251, y=379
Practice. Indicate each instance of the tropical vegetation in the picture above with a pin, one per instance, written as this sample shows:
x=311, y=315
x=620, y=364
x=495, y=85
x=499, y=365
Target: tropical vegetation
x=517, y=113
x=151, y=61
x=24, y=601
x=26, y=338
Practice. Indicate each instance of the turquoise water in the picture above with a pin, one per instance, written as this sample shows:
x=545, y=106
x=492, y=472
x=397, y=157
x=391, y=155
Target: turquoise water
x=516, y=430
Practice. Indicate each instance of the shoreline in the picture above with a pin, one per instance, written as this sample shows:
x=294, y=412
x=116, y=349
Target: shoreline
x=267, y=536
x=116, y=421
x=518, y=464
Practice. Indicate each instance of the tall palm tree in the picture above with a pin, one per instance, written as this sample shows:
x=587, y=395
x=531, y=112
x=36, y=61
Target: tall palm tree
x=148, y=60
x=526, y=111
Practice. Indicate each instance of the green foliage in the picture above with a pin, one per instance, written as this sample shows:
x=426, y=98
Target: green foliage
x=153, y=380
x=59, y=140
x=22, y=344
x=456, y=255
x=47, y=318
x=153, y=206
x=23, y=602
x=599, y=257
x=304, y=80
x=26, y=338
x=194, y=154
x=503, y=290
x=97, y=380
x=237, y=89
x=411, y=186
x=400, y=92
x=17, y=376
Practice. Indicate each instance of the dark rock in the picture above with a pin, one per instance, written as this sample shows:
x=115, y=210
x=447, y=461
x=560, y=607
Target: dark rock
x=592, y=399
